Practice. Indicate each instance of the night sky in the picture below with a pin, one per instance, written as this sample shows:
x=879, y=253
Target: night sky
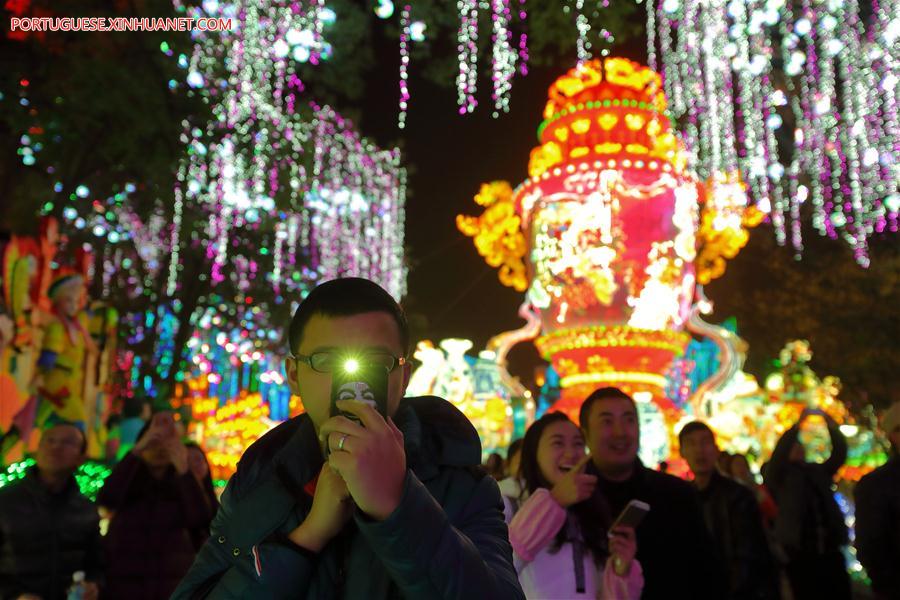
x=452, y=292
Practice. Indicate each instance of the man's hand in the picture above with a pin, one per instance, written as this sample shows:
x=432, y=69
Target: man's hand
x=369, y=457
x=575, y=486
x=622, y=548
x=331, y=508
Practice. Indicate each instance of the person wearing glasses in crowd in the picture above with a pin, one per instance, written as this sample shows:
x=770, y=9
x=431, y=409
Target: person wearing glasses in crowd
x=48, y=529
x=326, y=506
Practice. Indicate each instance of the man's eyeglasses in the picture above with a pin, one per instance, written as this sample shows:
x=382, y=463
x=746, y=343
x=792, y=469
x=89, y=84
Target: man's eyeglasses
x=329, y=362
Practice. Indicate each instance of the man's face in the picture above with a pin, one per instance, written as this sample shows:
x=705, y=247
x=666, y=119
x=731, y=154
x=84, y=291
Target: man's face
x=363, y=333
x=613, y=435
x=59, y=450
x=699, y=449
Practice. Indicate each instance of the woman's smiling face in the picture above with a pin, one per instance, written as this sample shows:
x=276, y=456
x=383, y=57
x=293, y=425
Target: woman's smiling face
x=560, y=448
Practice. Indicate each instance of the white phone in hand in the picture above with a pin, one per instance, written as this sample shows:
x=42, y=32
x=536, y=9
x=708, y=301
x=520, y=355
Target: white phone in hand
x=632, y=515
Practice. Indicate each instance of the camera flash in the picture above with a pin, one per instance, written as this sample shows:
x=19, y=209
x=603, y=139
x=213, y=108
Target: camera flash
x=351, y=366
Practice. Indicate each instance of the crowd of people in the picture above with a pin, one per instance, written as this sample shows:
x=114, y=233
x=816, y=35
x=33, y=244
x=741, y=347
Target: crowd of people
x=353, y=499
x=156, y=506
x=782, y=537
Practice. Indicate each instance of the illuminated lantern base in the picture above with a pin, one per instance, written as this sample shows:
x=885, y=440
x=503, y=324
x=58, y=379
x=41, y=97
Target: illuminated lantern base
x=634, y=360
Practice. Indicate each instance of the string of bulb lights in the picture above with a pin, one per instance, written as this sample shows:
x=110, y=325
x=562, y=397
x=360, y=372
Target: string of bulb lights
x=798, y=97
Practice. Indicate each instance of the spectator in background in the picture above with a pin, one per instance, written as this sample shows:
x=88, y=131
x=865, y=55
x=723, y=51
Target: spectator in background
x=158, y=511
x=198, y=465
x=675, y=550
x=878, y=516
x=513, y=458
x=732, y=517
x=494, y=466
x=511, y=487
x=48, y=529
x=740, y=472
x=560, y=534
x=113, y=439
x=810, y=527
x=723, y=464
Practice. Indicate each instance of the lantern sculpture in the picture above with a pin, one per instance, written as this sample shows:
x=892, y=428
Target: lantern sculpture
x=603, y=234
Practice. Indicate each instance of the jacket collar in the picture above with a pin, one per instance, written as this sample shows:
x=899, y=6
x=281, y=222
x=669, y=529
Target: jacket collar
x=638, y=475
x=34, y=484
x=436, y=434
x=300, y=459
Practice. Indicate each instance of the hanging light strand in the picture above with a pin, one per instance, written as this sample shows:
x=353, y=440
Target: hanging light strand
x=467, y=48
x=404, y=66
x=503, y=59
x=836, y=83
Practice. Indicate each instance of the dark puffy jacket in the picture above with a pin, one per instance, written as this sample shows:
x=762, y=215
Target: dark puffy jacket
x=732, y=517
x=150, y=543
x=809, y=521
x=45, y=537
x=446, y=539
x=878, y=527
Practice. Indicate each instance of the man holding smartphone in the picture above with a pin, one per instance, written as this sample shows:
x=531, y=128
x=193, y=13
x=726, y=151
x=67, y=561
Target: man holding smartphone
x=674, y=548
x=347, y=501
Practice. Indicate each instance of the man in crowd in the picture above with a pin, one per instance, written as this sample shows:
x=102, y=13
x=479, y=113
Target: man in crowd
x=511, y=487
x=674, y=548
x=732, y=517
x=326, y=506
x=878, y=516
x=810, y=526
x=48, y=529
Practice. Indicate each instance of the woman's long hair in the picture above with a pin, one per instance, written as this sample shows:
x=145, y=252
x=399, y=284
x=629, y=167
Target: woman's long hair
x=207, y=484
x=591, y=514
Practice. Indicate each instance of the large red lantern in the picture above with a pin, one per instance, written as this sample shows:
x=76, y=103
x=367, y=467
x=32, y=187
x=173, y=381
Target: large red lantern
x=607, y=222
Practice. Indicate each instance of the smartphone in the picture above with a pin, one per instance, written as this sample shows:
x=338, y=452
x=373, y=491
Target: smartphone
x=632, y=515
x=365, y=383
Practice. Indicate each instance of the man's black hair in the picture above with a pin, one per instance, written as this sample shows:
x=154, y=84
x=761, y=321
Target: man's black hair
x=693, y=427
x=600, y=394
x=343, y=298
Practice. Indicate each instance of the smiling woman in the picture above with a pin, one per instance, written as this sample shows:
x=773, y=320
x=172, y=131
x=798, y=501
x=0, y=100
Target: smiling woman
x=559, y=508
